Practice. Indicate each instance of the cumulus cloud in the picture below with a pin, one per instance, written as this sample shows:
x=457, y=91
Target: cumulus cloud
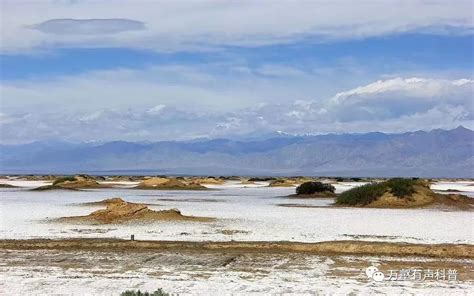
x=398, y=97
x=183, y=25
x=392, y=105
x=88, y=26
x=399, y=88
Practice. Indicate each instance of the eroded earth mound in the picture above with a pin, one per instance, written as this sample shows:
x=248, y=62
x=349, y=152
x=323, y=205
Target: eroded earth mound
x=119, y=211
x=73, y=183
x=403, y=193
x=169, y=184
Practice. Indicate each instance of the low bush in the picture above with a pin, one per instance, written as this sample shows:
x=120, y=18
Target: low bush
x=261, y=179
x=367, y=193
x=362, y=195
x=314, y=187
x=401, y=187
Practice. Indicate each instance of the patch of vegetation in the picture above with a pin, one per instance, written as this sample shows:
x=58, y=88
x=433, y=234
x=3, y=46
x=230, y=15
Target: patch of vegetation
x=64, y=179
x=401, y=187
x=260, y=179
x=314, y=187
x=354, y=179
x=362, y=195
x=366, y=194
x=158, y=292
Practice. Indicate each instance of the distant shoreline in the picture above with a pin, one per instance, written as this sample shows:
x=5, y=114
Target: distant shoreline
x=347, y=247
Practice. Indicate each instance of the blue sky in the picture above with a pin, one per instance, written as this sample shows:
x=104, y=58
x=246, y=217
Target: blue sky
x=164, y=71
x=396, y=53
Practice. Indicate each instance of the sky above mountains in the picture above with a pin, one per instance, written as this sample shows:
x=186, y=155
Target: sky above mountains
x=175, y=70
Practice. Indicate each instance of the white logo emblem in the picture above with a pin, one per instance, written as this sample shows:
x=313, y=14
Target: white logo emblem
x=373, y=272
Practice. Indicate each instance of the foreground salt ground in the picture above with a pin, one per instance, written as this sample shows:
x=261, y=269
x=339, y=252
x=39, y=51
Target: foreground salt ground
x=245, y=213
x=29, y=272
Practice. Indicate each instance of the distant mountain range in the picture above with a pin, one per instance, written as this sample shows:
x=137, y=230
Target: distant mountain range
x=438, y=153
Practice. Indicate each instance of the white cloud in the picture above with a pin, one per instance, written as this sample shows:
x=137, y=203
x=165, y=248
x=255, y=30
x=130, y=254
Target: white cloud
x=392, y=105
x=197, y=87
x=88, y=26
x=156, y=110
x=91, y=116
x=398, y=88
x=184, y=25
x=117, y=89
x=397, y=97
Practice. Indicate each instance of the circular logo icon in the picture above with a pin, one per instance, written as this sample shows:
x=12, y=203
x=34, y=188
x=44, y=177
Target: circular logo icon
x=378, y=276
x=369, y=271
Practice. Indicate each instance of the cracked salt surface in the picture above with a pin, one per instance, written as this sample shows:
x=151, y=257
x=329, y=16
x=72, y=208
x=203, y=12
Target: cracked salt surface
x=70, y=272
x=246, y=214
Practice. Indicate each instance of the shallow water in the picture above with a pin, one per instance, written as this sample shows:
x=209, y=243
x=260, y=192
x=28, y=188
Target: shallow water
x=250, y=213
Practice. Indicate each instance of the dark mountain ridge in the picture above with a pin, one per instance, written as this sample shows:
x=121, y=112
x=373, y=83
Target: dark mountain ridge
x=437, y=153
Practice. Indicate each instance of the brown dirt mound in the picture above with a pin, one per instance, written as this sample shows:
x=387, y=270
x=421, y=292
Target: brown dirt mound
x=75, y=182
x=38, y=178
x=456, y=201
x=120, y=211
x=154, y=181
x=169, y=184
x=124, y=178
x=209, y=180
x=104, y=202
x=329, y=247
x=247, y=182
x=289, y=182
x=80, y=181
x=283, y=183
x=424, y=197
x=113, y=200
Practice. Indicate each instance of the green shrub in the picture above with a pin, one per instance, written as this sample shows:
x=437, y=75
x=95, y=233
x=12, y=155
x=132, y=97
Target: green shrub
x=367, y=193
x=362, y=195
x=158, y=292
x=64, y=179
x=314, y=187
x=401, y=187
